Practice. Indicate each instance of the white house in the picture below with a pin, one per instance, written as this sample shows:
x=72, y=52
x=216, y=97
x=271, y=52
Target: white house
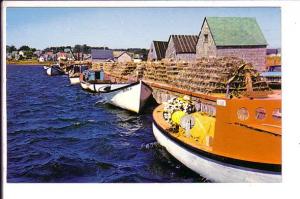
x=122, y=56
x=41, y=59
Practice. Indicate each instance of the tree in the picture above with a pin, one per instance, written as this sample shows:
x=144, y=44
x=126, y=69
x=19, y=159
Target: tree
x=24, y=48
x=86, y=49
x=77, y=48
x=28, y=54
x=9, y=49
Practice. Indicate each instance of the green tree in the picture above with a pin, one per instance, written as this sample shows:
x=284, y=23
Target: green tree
x=77, y=48
x=28, y=54
x=86, y=49
x=9, y=49
x=24, y=48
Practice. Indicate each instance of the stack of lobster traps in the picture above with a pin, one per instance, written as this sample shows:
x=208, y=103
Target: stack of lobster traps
x=122, y=72
x=156, y=71
x=223, y=75
x=163, y=71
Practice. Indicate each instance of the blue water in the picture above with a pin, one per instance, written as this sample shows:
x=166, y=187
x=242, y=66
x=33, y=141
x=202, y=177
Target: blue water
x=58, y=133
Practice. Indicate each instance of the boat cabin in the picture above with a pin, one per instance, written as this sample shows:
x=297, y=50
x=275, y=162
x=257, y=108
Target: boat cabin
x=79, y=68
x=94, y=76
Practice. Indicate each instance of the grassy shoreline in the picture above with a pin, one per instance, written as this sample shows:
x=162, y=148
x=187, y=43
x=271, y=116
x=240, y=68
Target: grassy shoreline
x=28, y=62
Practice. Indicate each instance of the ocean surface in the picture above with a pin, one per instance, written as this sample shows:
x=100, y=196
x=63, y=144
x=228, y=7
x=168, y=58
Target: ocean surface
x=59, y=133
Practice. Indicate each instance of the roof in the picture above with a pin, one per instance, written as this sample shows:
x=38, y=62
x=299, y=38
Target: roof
x=235, y=31
x=184, y=43
x=160, y=48
x=118, y=54
x=102, y=54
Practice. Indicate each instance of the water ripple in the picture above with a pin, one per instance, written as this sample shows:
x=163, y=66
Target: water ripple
x=59, y=133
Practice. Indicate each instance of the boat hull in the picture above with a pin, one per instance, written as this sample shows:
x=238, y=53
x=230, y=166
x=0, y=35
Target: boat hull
x=96, y=87
x=210, y=168
x=52, y=71
x=74, y=80
x=130, y=97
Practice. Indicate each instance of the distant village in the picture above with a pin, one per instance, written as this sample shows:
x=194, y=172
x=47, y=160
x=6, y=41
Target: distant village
x=78, y=52
x=218, y=37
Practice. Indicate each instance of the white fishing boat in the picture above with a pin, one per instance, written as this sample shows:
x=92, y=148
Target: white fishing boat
x=96, y=86
x=131, y=97
x=74, y=73
x=74, y=80
x=93, y=81
x=54, y=70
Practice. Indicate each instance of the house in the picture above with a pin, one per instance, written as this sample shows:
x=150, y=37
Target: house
x=137, y=58
x=122, y=56
x=37, y=53
x=21, y=53
x=101, y=55
x=49, y=56
x=41, y=59
x=232, y=36
x=157, y=50
x=181, y=47
x=15, y=55
x=8, y=56
x=61, y=56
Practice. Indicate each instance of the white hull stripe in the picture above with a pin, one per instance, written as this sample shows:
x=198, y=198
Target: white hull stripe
x=210, y=168
x=263, y=167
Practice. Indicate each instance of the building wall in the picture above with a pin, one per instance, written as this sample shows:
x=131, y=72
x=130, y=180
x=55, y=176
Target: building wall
x=152, y=53
x=170, y=52
x=124, y=58
x=254, y=55
x=188, y=57
x=205, y=49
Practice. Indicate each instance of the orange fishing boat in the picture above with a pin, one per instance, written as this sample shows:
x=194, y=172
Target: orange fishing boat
x=226, y=140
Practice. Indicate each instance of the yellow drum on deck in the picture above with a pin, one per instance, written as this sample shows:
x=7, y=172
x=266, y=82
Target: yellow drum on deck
x=199, y=126
x=204, y=127
x=176, y=117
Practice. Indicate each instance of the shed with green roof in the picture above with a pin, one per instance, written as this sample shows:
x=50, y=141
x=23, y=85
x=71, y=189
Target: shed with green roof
x=232, y=36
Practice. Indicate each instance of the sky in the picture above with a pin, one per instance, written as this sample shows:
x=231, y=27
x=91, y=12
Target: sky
x=122, y=27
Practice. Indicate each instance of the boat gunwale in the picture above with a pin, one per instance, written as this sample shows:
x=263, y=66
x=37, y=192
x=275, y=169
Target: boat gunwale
x=124, y=87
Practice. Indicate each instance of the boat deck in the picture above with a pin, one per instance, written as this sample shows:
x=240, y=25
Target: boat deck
x=253, y=143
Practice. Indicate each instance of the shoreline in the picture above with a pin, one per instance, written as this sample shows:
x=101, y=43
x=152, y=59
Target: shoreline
x=31, y=63
x=37, y=65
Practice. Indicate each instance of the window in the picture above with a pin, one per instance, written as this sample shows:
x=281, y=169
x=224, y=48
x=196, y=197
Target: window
x=205, y=38
x=242, y=114
x=276, y=114
x=260, y=113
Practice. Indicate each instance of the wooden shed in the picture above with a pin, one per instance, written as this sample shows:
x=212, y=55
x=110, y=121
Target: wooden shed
x=157, y=50
x=182, y=47
x=232, y=36
x=122, y=56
